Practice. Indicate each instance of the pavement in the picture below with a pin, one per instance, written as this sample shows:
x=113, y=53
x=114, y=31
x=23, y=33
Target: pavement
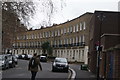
x=78, y=74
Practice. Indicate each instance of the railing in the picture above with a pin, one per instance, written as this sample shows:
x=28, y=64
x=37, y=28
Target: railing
x=55, y=46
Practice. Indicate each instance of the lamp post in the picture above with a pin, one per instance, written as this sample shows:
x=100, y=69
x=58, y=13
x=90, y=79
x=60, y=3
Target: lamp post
x=101, y=18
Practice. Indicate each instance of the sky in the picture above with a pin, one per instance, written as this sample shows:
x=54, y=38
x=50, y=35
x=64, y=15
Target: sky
x=73, y=9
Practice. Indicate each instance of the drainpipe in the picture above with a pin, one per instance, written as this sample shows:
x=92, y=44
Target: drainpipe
x=0, y=28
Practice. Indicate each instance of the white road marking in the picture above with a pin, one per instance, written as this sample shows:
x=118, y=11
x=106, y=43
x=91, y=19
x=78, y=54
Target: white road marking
x=73, y=74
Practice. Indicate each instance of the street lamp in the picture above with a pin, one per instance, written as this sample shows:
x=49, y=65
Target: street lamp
x=101, y=18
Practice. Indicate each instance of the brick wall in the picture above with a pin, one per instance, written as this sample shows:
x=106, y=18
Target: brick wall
x=103, y=64
x=116, y=68
x=110, y=64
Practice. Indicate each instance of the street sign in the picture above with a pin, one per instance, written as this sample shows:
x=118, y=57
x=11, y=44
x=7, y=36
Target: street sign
x=99, y=48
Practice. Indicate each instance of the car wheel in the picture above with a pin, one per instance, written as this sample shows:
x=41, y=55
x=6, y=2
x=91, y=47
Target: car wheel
x=8, y=67
x=4, y=67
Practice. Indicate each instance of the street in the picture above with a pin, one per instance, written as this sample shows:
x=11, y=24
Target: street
x=82, y=74
x=21, y=72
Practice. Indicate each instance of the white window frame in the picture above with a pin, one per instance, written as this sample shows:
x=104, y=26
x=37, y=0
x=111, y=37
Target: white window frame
x=77, y=27
x=61, y=31
x=58, y=32
x=61, y=42
x=37, y=35
x=73, y=40
x=49, y=33
x=43, y=35
x=34, y=36
x=84, y=25
x=76, y=39
x=18, y=38
x=26, y=36
x=80, y=38
x=73, y=28
x=64, y=41
x=70, y=40
x=52, y=33
x=68, y=30
x=67, y=41
x=80, y=26
x=64, y=30
x=83, y=38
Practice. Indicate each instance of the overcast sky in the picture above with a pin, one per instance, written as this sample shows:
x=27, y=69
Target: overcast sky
x=75, y=8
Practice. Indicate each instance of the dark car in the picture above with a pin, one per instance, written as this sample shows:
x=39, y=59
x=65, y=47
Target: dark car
x=84, y=67
x=25, y=57
x=60, y=64
x=11, y=61
x=43, y=58
x=4, y=62
x=21, y=56
x=15, y=59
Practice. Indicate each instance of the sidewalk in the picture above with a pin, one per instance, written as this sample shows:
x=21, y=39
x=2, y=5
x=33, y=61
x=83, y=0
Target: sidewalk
x=82, y=74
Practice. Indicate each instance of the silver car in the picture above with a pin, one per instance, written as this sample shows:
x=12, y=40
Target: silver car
x=60, y=64
x=4, y=62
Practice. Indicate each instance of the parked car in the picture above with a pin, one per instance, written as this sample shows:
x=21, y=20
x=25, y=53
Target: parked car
x=4, y=62
x=21, y=56
x=30, y=56
x=11, y=61
x=84, y=67
x=43, y=58
x=15, y=59
x=60, y=64
x=25, y=56
x=17, y=56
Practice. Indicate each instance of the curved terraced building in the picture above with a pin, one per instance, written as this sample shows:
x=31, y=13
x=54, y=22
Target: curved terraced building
x=69, y=39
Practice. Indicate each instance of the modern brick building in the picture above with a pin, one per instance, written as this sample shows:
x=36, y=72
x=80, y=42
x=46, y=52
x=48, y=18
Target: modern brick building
x=69, y=40
x=105, y=32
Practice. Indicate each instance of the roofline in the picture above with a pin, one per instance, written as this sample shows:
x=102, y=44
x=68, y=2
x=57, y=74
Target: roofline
x=106, y=11
x=77, y=17
x=63, y=23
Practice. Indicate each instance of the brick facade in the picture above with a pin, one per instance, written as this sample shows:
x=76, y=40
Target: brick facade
x=116, y=68
x=105, y=29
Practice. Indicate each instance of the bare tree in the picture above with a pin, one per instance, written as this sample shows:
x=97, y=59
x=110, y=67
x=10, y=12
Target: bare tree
x=22, y=9
x=26, y=10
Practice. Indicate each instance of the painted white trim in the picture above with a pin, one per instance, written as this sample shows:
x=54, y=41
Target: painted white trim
x=110, y=35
